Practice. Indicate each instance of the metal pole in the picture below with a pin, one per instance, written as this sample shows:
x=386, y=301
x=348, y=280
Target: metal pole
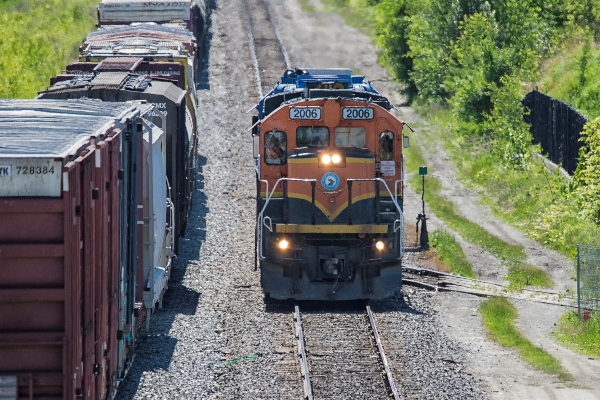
x=424, y=237
x=578, y=284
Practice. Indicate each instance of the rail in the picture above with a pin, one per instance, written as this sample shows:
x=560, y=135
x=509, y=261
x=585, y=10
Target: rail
x=302, y=354
x=388, y=372
x=384, y=365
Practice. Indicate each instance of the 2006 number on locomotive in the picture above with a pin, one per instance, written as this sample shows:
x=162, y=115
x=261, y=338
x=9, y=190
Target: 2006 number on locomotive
x=357, y=113
x=305, y=113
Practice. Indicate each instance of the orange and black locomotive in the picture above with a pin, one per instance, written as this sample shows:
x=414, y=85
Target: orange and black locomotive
x=329, y=188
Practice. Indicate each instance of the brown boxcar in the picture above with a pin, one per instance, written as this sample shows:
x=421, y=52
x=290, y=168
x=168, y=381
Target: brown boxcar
x=68, y=248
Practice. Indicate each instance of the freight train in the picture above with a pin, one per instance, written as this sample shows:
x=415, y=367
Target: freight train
x=97, y=176
x=330, y=170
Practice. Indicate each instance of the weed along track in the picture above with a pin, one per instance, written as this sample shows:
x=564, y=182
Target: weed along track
x=342, y=356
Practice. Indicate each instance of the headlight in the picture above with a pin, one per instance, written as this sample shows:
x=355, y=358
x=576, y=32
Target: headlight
x=326, y=159
x=336, y=159
x=379, y=245
x=284, y=244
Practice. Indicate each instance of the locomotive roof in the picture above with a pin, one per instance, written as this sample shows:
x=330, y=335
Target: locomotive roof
x=307, y=83
x=54, y=128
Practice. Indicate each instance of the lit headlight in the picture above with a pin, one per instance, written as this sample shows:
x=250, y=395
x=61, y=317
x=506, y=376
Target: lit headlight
x=336, y=159
x=379, y=245
x=326, y=159
x=283, y=244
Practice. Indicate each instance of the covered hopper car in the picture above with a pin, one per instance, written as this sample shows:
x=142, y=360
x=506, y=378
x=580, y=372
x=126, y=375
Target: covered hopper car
x=329, y=188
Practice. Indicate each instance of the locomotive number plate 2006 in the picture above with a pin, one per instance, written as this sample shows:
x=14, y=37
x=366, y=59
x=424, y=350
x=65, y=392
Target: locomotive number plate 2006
x=305, y=113
x=357, y=113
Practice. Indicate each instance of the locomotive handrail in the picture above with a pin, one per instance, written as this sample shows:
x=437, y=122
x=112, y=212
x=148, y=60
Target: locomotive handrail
x=386, y=188
x=270, y=226
x=260, y=220
x=394, y=199
x=399, y=225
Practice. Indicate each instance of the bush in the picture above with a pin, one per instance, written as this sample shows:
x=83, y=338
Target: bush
x=37, y=39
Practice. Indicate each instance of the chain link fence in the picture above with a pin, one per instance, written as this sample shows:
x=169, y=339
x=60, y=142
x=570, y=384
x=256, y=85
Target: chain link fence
x=588, y=278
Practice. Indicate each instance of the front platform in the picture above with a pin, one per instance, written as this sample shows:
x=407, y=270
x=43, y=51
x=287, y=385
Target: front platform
x=278, y=285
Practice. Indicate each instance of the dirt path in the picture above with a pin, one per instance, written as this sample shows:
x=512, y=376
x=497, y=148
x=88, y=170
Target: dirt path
x=321, y=39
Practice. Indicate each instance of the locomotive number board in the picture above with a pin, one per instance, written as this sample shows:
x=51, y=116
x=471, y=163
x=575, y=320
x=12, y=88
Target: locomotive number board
x=357, y=113
x=305, y=113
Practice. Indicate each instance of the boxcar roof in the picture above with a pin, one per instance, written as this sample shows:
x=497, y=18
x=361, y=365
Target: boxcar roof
x=54, y=128
x=151, y=30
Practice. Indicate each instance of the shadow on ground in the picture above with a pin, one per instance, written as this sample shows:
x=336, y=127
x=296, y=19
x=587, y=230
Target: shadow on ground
x=154, y=348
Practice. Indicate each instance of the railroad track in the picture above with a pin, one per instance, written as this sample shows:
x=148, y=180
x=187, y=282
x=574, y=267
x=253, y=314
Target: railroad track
x=443, y=282
x=269, y=55
x=342, y=357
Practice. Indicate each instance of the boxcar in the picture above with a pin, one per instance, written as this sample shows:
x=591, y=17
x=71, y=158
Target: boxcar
x=71, y=183
x=157, y=54
x=188, y=14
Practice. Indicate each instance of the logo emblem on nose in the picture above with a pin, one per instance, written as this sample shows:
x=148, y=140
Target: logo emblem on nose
x=330, y=181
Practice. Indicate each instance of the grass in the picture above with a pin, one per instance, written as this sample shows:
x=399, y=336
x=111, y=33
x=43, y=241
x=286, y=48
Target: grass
x=499, y=316
x=521, y=275
x=469, y=230
x=306, y=6
x=356, y=13
x=583, y=337
x=450, y=253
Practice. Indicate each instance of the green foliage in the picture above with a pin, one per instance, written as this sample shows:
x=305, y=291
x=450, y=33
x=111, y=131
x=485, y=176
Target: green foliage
x=586, y=179
x=533, y=199
x=450, y=253
x=498, y=316
x=37, y=39
x=521, y=275
x=504, y=124
x=391, y=20
x=578, y=335
x=474, y=56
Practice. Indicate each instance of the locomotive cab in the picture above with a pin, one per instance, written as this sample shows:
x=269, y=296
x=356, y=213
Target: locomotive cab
x=329, y=189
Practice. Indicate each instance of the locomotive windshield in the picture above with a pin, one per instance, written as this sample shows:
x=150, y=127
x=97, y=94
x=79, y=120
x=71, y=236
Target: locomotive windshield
x=312, y=136
x=353, y=136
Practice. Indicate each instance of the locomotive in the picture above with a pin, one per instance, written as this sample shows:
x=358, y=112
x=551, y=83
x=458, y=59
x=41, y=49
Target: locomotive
x=329, y=169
